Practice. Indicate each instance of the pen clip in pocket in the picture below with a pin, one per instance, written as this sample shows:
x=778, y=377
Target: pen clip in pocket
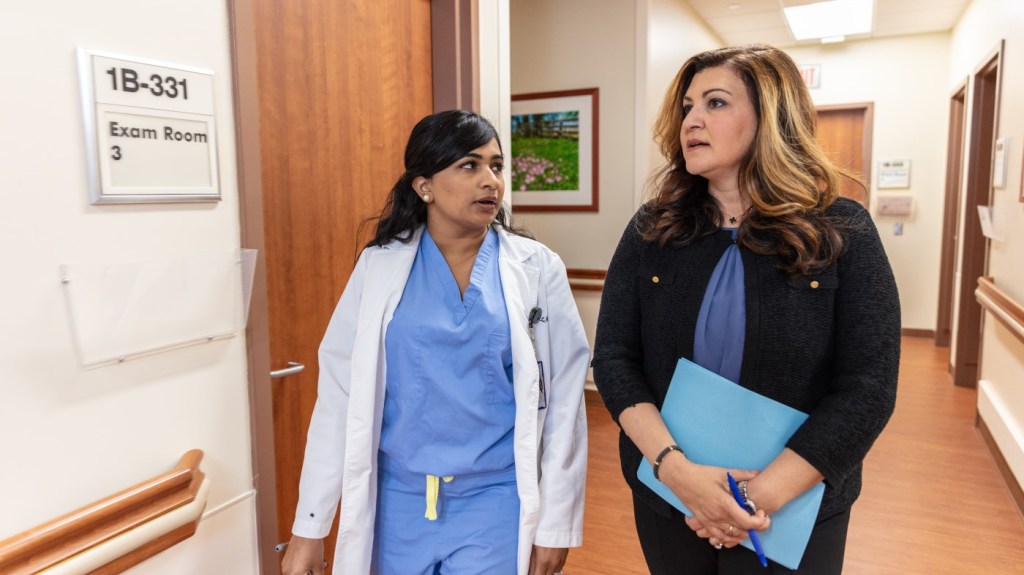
x=532, y=319
x=542, y=401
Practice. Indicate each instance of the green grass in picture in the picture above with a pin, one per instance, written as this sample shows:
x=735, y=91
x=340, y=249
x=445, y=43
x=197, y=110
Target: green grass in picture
x=545, y=164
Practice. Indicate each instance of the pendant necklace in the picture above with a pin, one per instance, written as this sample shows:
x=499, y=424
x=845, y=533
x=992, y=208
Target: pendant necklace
x=464, y=260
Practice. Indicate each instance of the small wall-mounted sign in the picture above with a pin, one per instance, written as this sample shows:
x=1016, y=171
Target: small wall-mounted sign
x=894, y=205
x=812, y=75
x=894, y=174
x=149, y=130
x=999, y=162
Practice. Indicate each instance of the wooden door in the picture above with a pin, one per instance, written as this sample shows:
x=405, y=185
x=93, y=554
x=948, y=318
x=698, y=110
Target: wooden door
x=335, y=87
x=844, y=132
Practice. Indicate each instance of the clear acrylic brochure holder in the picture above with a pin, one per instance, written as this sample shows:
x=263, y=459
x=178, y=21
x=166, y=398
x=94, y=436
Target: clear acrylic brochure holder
x=124, y=311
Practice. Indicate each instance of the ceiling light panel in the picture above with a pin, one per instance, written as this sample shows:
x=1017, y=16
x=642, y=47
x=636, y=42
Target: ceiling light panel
x=832, y=18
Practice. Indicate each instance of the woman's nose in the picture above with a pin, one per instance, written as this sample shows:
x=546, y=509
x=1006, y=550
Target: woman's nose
x=692, y=119
x=491, y=180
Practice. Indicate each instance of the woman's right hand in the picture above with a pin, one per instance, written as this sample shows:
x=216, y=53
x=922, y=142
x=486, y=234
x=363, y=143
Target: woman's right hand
x=304, y=557
x=704, y=490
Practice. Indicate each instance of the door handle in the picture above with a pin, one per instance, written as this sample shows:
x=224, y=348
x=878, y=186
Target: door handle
x=293, y=368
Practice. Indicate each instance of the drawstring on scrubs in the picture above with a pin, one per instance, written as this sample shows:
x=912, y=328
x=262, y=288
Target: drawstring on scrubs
x=433, y=489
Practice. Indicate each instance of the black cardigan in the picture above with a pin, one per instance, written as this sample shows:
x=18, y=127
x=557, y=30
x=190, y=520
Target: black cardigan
x=827, y=344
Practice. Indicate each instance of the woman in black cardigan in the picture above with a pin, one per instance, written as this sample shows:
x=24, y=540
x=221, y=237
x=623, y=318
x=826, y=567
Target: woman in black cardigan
x=748, y=262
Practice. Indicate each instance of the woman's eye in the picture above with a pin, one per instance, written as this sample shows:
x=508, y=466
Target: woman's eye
x=470, y=165
x=498, y=168
x=716, y=103
x=686, y=109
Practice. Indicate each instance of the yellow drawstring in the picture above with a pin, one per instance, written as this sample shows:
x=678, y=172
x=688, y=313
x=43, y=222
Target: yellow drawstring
x=433, y=487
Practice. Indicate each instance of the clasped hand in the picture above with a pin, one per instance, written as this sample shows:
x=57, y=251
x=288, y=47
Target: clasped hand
x=704, y=489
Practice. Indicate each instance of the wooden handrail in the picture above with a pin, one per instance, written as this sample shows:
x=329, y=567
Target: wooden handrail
x=1003, y=307
x=85, y=529
x=592, y=280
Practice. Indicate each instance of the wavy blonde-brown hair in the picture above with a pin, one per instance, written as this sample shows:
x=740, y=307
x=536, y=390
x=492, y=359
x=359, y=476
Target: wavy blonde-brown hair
x=789, y=179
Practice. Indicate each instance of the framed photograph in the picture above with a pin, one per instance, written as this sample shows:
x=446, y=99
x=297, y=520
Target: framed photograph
x=555, y=151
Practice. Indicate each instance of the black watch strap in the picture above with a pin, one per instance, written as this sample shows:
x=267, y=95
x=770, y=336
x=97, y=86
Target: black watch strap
x=661, y=457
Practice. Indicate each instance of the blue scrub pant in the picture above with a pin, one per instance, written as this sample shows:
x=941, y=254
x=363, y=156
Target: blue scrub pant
x=476, y=530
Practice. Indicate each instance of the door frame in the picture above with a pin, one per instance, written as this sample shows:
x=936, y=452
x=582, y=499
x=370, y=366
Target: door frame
x=868, y=109
x=951, y=212
x=984, y=106
x=454, y=48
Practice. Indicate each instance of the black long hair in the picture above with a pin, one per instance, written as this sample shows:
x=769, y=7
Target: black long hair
x=436, y=142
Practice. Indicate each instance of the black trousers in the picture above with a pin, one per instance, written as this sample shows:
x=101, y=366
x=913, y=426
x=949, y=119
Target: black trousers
x=672, y=548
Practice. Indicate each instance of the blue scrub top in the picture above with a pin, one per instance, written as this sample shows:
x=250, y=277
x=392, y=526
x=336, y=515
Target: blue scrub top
x=722, y=320
x=449, y=407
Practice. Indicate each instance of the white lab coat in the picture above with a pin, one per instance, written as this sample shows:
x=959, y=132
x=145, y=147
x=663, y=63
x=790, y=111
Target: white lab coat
x=550, y=445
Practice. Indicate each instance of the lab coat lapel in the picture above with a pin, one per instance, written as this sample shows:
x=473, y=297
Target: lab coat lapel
x=386, y=276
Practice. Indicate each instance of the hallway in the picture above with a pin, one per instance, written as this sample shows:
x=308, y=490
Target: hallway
x=933, y=501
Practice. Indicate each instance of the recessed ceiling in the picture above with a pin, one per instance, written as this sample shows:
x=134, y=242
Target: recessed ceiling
x=747, y=21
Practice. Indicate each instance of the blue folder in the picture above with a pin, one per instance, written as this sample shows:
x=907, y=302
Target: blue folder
x=717, y=422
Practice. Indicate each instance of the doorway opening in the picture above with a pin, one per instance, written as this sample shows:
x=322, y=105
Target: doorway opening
x=951, y=214
x=973, y=244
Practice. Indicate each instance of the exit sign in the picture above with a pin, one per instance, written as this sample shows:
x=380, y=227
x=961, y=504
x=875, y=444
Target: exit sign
x=812, y=75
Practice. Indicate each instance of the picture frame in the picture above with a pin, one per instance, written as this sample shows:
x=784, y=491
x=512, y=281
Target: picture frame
x=554, y=151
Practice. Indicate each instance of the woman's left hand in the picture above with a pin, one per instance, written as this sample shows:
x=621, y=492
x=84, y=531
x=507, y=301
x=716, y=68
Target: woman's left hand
x=698, y=527
x=547, y=560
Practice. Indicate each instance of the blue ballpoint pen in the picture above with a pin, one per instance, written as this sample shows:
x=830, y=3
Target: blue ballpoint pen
x=753, y=534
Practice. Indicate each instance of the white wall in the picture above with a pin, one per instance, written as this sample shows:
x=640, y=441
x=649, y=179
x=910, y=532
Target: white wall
x=493, y=65
x=907, y=79
x=674, y=34
x=1000, y=395
x=72, y=436
x=571, y=44
x=631, y=51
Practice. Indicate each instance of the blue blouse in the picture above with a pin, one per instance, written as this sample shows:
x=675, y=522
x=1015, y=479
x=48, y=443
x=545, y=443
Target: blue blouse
x=449, y=407
x=722, y=320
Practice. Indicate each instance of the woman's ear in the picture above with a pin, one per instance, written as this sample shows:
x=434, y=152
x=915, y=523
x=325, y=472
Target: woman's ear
x=421, y=186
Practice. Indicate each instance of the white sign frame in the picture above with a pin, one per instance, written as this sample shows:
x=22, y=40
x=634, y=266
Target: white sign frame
x=192, y=176
x=894, y=174
x=1000, y=159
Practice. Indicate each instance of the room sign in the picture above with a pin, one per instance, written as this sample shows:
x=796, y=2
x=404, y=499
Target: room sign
x=149, y=130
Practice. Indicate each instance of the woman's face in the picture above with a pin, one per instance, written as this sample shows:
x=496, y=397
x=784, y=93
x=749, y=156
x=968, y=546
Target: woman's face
x=719, y=125
x=465, y=197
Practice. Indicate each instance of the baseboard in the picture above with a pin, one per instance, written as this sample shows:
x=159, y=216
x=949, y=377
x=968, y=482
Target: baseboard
x=1009, y=479
x=911, y=332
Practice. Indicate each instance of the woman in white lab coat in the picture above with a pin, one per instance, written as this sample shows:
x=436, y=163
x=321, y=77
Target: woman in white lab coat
x=450, y=420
